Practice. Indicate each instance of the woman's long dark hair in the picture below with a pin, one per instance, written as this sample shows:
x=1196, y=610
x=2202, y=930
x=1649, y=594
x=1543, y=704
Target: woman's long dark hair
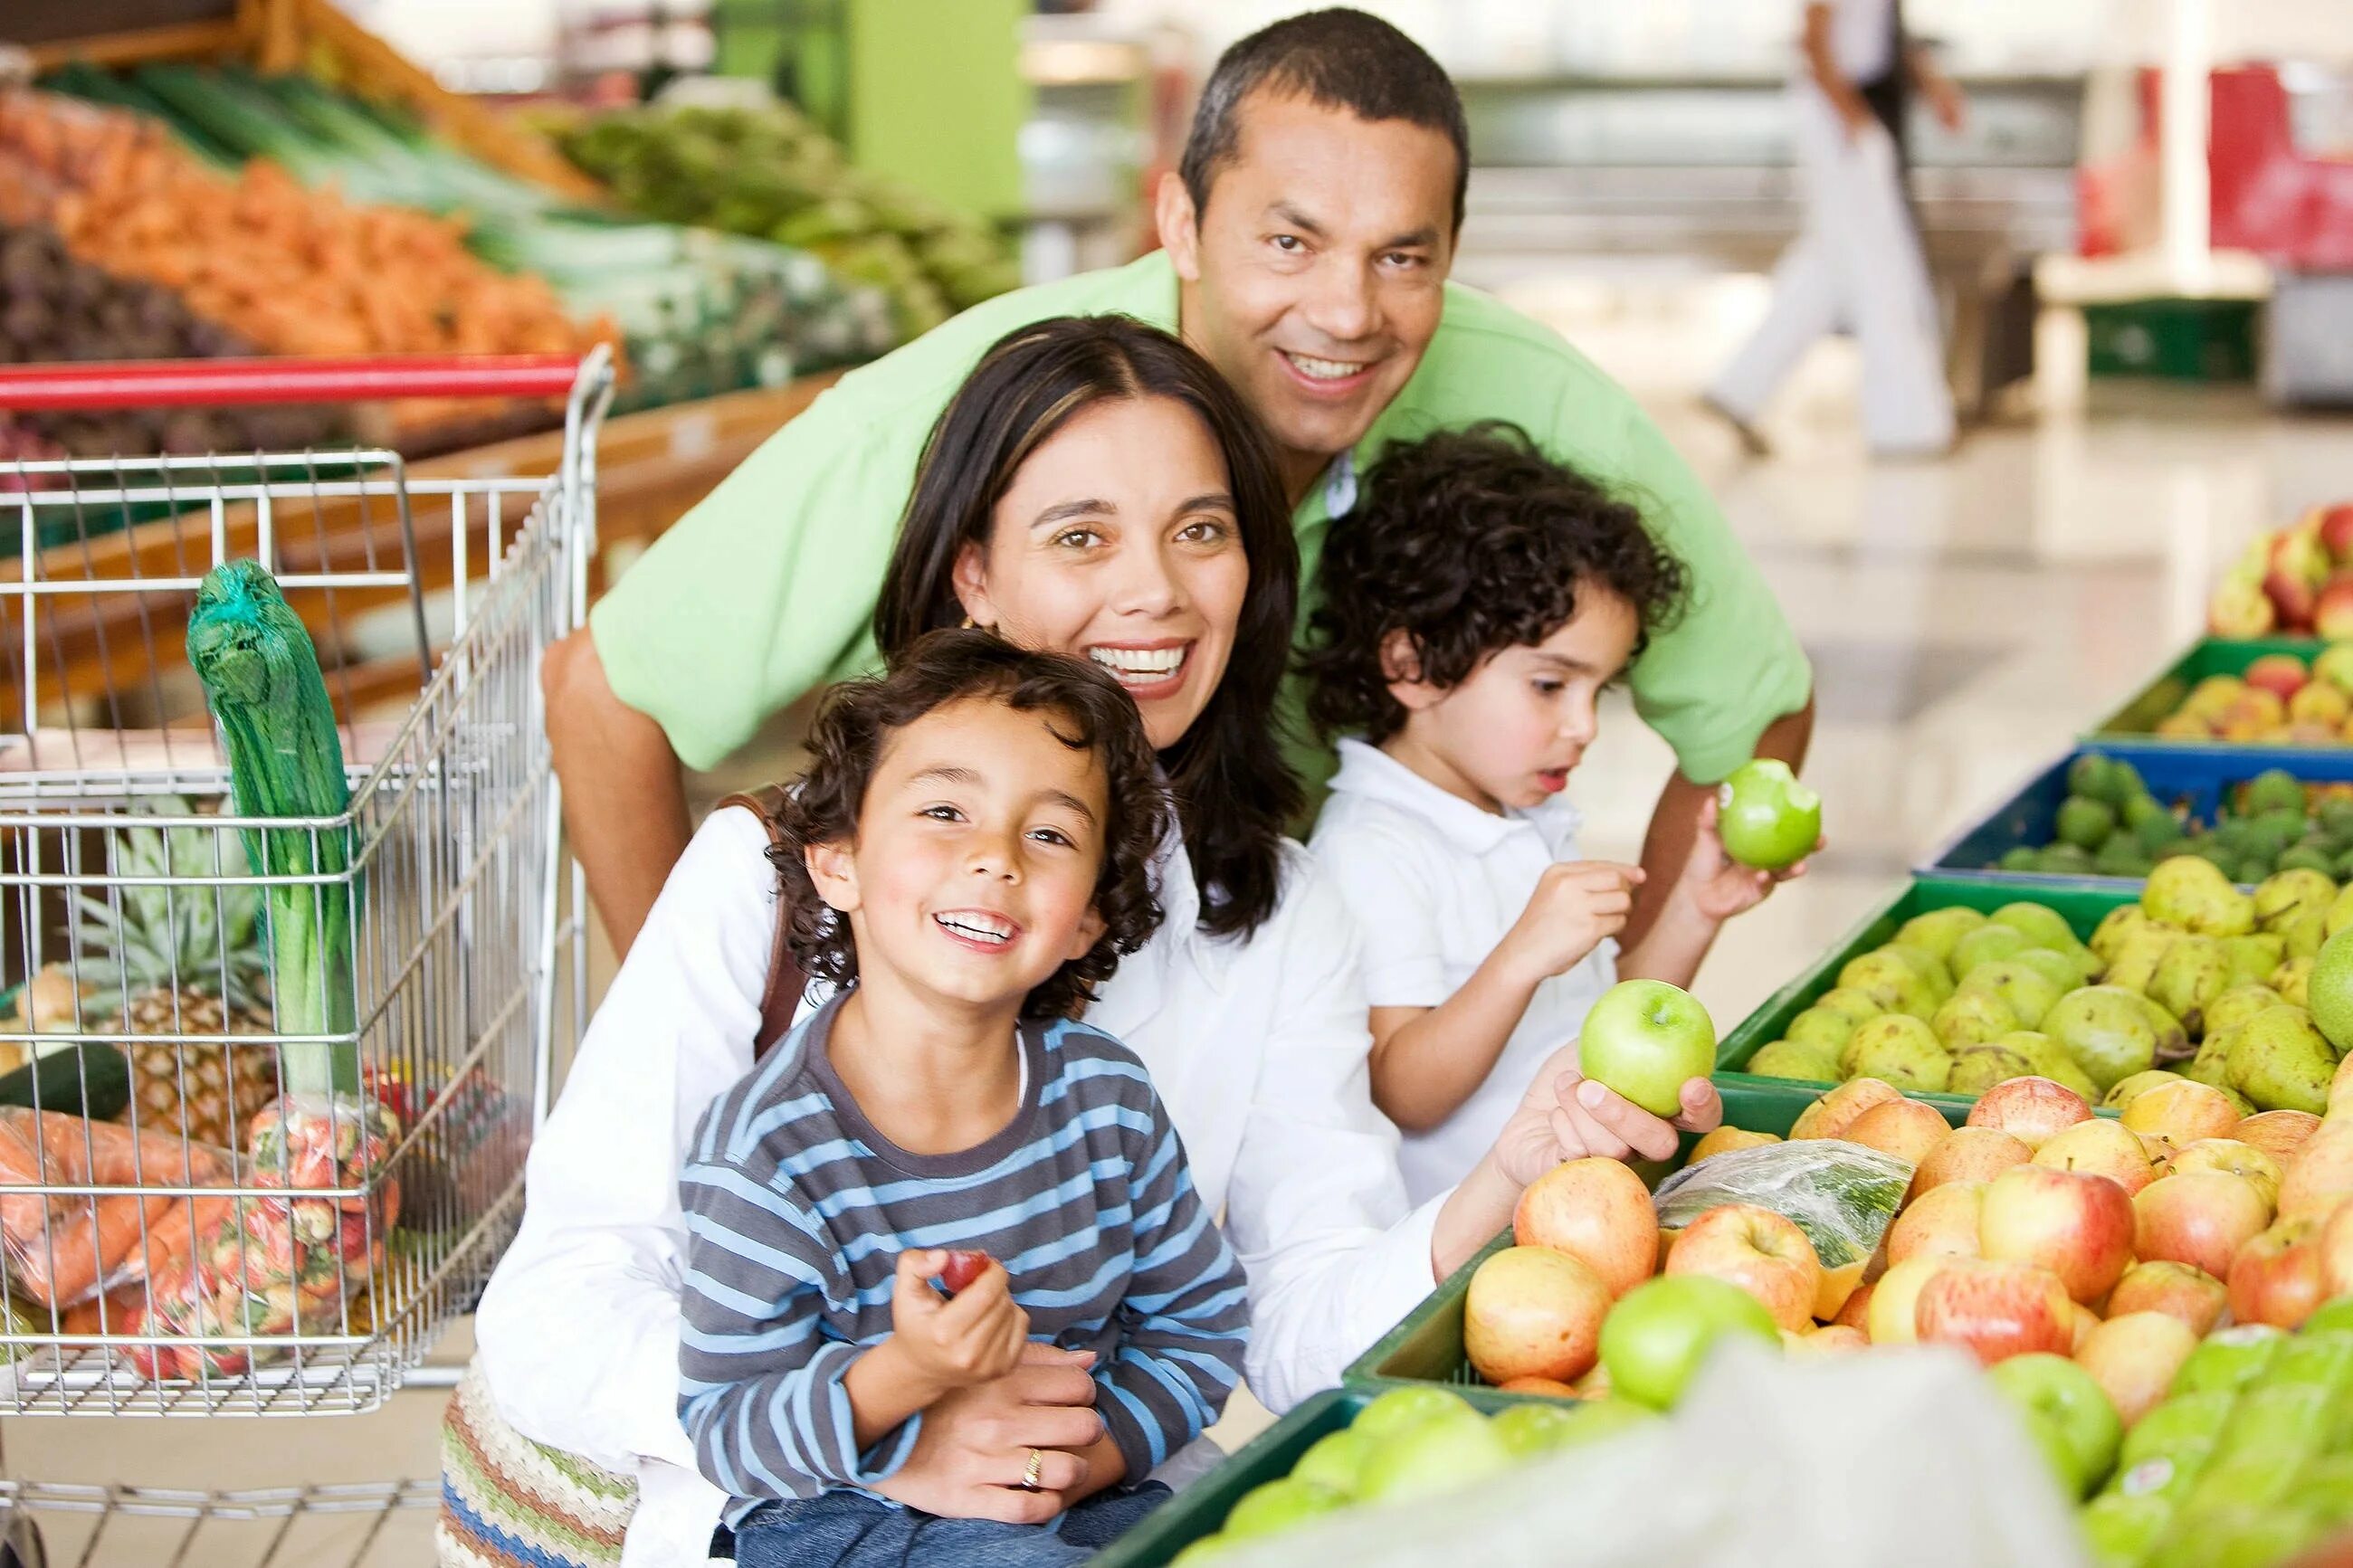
x=1233, y=791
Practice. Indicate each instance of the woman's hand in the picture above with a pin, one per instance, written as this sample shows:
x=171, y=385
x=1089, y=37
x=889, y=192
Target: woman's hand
x=974, y=1447
x=1568, y=1116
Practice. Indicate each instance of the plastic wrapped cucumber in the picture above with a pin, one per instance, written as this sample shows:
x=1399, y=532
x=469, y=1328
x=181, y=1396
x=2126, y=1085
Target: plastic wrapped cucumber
x=1842, y=1195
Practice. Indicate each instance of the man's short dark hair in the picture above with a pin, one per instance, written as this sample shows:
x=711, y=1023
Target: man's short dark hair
x=1338, y=58
x=1470, y=541
x=1087, y=712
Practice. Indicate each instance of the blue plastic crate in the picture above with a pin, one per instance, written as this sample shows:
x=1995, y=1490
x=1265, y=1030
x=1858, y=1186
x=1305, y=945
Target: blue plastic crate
x=2195, y=778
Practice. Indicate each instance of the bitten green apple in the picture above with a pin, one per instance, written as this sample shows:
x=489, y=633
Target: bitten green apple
x=1645, y=1039
x=2070, y=1416
x=1765, y=817
x=1659, y=1334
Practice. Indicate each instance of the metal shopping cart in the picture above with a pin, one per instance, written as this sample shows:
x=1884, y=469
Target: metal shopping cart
x=143, y=1143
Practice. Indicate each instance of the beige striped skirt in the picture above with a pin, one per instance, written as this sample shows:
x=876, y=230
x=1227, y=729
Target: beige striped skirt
x=509, y=1502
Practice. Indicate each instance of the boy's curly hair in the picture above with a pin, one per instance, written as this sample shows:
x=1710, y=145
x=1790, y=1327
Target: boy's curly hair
x=1089, y=711
x=1471, y=541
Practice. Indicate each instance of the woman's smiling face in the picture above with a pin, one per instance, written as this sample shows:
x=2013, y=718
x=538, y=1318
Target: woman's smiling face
x=1117, y=542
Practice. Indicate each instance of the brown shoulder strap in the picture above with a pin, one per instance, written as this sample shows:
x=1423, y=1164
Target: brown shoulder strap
x=783, y=992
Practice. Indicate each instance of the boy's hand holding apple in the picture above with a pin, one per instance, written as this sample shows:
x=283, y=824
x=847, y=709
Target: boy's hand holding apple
x=949, y=1342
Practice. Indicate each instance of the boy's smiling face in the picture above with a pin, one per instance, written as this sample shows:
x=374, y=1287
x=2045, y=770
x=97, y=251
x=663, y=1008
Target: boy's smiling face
x=1510, y=734
x=979, y=842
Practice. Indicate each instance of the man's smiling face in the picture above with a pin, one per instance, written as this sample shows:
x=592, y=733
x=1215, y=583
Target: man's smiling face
x=1313, y=276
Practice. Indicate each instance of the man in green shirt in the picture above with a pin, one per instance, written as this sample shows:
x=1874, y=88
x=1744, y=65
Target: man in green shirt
x=1306, y=242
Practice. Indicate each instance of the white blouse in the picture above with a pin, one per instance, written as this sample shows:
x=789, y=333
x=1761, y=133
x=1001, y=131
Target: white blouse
x=1257, y=1048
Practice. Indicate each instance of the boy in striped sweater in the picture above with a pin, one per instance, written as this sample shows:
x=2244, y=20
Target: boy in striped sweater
x=938, y=1165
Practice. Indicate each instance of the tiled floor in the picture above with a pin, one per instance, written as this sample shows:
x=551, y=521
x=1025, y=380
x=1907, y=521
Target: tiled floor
x=1965, y=618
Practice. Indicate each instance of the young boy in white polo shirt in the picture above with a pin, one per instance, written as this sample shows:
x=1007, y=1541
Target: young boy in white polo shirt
x=1476, y=603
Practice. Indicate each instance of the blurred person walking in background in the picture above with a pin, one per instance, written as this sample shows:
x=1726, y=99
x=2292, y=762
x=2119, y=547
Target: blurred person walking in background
x=1858, y=265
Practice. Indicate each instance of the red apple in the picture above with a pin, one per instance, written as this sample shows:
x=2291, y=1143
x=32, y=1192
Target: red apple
x=1761, y=1252
x=1828, y=1116
x=2277, y=1277
x=1941, y=1222
x=2278, y=1134
x=1968, y=1154
x=1831, y=1339
x=2031, y=1110
x=2332, y=608
x=1903, y=1128
x=2231, y=1158
x=2177, y=1289
x=2100, y=1148
x=2181, y=1113
x=2133, y=1357
x=962, y=1268
x=2239, y=608
x=1597, y=1212
x=2084, y=1322
x=1855, y=1311
x=2336, y=1252
x=2202, y=1219
x=1893, y=1311
x=2078, y=1227
x=1534, y=1312
x=1996, y=1310
x=1550, y=1387
x=2336, y=532
x=2320, y=1177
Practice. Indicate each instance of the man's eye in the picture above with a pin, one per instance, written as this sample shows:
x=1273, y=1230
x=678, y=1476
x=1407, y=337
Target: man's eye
x=1289, y=243
x=1078, y=538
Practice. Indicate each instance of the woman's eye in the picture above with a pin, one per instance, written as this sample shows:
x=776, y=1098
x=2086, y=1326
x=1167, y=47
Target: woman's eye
x=1205, y=531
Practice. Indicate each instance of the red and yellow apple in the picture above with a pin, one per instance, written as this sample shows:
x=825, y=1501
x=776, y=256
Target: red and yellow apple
x=2277, y=1277
x=2336, y=1252
x=1828, y=1116
x=2278, y=1134
x=1968, y=1154
x=2231, y=1158
x=1550, y=1387
x=2181, y=1113
x=2202, y=1219
x=2177, y=1289
x=1903, y=1128
x=1941, y=1222
x=2133, y=1357
x=1854, y=1312
x=2031, y=1110
x=1996, y=1310
x=2100, y=1148
x=1534, y=1312
x=1724, y=1140
x=2078, y=1227
x=1761, y=1252
x=1893, y=1313
x=1597, y=1211
x=2320, y=1177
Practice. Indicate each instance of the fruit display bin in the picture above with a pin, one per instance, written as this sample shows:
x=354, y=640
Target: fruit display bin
x=2138, y=719
x=1200, y=1509
x=2196, y=777
x=2083, y=904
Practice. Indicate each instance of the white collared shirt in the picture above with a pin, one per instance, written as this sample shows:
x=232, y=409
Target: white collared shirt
x=1257, y=1048
x=1433, y=883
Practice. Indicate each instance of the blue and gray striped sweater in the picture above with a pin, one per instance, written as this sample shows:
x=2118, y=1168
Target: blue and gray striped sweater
x=797, y=1207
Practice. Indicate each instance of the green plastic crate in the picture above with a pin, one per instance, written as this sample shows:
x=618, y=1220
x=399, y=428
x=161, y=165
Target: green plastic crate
x=1200, y=1509
x=2138, y=719
x=2082, y=906
x=2176, y=340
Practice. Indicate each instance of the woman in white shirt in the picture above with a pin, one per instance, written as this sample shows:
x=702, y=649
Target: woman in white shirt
x=1094, y=487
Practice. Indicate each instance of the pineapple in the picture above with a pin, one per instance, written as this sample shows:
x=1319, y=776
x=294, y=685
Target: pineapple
x=182, y=961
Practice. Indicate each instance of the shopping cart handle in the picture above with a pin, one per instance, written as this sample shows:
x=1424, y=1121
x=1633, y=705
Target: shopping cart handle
x=176, y=384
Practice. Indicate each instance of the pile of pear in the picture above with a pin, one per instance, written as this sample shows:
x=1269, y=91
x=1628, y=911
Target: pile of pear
x=2199, y=980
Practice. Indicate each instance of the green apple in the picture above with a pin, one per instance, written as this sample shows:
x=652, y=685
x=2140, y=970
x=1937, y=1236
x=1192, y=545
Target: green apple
x=1445, y=1453
x=1656, y=1338
x=2322, y=1361
x=2228, y=1358
x=1646, y=1039
x=2167, y=1480
x=2069, y=1414
x=1594, y=1419
x=1537, y=1427
x=2331, y=1317
x=1279, y=1506
x=1765, y=817
x=1209, y=1549
x=1334, y=1460
x=2326, y=1488
x=2121, y=1530
x=2258, y=1476
x=2275, y=1421
x=1399, y=1408
x=2184, y=1424
x=2243, y=1535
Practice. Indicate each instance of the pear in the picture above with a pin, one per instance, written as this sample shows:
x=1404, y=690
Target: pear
x=2281, y=1063
x=2290, y=895
x=1979, y=1068
x=2066, y=970
x=2212, y=1064
x=2238, y=1005
x=2029, y=993
x=1816, y=1026
x=2126, y=1090
x=2135, y=964
x=2046, y=1058
x=2114, y=927
x=1887, y=979
x=1848, y=1004
x=2193, y=893
x=1932, y=968
x=2305, y=934
x=2252, y=958
x=1986, y=944
x=1972, y=1016
x=2293, y=981
x=2193, y=972
x=2341, y=912
x=2172, y=1039
x=2107, y=1031
x=1791, y=1059
x=2046, y=925
x=1901, y=1051
x=1936, y=932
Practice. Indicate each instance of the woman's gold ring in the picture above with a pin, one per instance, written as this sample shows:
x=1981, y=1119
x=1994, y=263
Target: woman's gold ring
x=1034, y=1471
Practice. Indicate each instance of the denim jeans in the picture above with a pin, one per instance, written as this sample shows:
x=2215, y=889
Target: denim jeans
x=851, y=1530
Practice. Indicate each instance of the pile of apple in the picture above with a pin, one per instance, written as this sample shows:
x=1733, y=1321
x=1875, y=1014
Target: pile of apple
x=2199, y=976
x=2279, y=699
x=2295, y=581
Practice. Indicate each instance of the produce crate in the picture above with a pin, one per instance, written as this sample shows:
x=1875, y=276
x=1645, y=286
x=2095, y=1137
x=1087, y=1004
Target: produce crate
x=2178, y=339
x=1200, y=1509
x=2137, y=720
x=2196, y=777
x=2083, y=904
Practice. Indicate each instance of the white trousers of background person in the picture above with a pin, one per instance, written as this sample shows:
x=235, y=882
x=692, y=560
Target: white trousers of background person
x=1858, y=266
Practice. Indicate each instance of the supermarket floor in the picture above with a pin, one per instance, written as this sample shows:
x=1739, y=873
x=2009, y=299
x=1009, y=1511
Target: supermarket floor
x=1964, y=617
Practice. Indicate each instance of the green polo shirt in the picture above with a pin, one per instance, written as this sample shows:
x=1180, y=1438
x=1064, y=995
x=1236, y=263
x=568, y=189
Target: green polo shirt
x=765, y=590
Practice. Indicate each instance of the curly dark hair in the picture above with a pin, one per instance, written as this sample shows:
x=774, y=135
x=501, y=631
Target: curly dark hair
x=1091, y=713
x=1471, y=541
x=1234, y=793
